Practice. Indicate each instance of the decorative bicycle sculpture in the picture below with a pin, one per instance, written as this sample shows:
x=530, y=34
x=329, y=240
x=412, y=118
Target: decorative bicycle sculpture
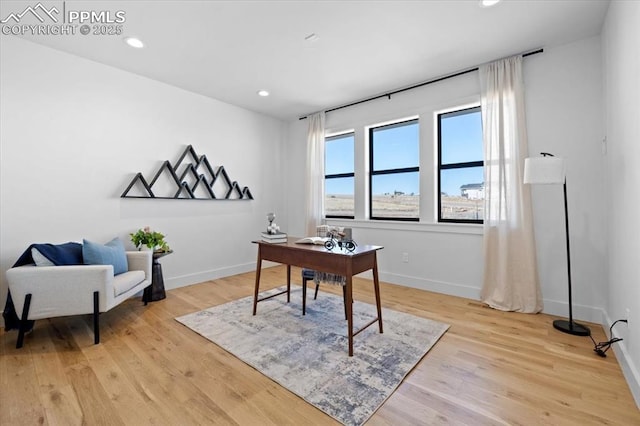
x=336, y=239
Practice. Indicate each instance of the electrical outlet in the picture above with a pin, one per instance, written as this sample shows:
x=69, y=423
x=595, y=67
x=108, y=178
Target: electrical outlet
x=405, y=257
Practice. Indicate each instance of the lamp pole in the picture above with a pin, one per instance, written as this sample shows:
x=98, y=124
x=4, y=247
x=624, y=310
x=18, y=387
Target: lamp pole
x=563, y=325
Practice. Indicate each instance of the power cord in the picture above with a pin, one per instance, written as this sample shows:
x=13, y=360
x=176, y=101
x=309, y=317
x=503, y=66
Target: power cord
x=602, y=347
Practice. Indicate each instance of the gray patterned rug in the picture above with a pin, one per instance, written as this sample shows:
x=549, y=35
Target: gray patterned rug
x=308, y=354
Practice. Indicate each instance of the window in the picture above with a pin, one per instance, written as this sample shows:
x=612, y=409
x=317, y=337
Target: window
x=460, y=166
x=339, y=176
x=394, y=179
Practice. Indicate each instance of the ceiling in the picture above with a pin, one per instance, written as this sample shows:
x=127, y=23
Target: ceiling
x=228, y=50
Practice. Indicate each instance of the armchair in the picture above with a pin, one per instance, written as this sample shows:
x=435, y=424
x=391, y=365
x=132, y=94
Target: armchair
x=53, y=291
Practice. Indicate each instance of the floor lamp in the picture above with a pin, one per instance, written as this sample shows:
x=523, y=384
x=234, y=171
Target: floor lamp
x=551, y=170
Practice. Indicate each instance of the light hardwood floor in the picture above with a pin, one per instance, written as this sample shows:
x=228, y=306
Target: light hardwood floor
x=490, y=368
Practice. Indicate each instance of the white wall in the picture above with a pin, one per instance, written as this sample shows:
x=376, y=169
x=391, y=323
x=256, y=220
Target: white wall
x=621, y=44
x=564, y=113
x=75, y=132
x=564, y=107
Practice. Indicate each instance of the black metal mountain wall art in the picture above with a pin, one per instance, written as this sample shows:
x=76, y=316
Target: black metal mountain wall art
x=192, y=177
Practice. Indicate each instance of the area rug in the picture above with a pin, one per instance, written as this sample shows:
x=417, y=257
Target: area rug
x=308, y=354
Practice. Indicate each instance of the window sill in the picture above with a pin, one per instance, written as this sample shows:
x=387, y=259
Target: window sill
x=447, y=228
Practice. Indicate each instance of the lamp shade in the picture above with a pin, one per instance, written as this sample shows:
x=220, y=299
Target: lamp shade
x=544, y=170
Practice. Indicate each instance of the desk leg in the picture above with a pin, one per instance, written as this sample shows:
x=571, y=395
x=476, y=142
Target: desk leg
x=349, y=307
x=257, y=288
x=376, y=286
x=304, y=296
x=288, y=283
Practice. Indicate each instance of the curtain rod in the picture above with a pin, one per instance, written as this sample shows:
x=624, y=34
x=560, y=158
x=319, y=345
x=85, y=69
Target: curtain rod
x=415, y=86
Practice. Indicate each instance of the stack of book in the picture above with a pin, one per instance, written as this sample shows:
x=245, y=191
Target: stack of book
x=279, y=237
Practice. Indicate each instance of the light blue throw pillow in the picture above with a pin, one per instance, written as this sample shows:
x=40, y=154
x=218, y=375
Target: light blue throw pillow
x=112, y=253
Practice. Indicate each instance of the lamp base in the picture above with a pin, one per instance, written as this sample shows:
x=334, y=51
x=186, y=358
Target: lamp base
x=571, y=327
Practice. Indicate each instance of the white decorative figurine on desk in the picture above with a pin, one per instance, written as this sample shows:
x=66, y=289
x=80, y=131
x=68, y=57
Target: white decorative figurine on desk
x=272, y=228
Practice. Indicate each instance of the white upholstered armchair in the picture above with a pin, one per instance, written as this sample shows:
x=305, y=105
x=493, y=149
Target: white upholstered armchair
x=53, y=291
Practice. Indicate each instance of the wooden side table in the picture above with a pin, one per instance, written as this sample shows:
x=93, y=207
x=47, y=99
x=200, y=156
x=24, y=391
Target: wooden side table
x=155, y=291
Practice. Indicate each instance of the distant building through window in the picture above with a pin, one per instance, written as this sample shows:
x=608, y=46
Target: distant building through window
x=472, y=191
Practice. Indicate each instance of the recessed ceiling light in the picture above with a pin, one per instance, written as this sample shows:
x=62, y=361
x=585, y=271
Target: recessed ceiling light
x=134, y=42
x=312, y=37
x=263, y=93
x=488, y=3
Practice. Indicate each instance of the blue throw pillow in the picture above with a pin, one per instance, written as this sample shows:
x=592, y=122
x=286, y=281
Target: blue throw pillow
x=112, y=253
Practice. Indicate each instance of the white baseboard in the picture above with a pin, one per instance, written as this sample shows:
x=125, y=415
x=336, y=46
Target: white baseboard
x=629, y=368
x=452, y=289
x=580, y=312
x=212, y=274
x=551, y=307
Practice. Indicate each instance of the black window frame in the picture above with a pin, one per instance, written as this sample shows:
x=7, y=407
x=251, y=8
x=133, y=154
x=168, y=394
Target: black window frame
x=450, y=166
x=339, y=175
x=373, y=172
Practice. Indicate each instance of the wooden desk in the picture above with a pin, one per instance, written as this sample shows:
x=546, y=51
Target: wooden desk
x=319, y=258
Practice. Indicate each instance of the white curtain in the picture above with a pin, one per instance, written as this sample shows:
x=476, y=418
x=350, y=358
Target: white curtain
x=315, y=173
x=510, y=275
